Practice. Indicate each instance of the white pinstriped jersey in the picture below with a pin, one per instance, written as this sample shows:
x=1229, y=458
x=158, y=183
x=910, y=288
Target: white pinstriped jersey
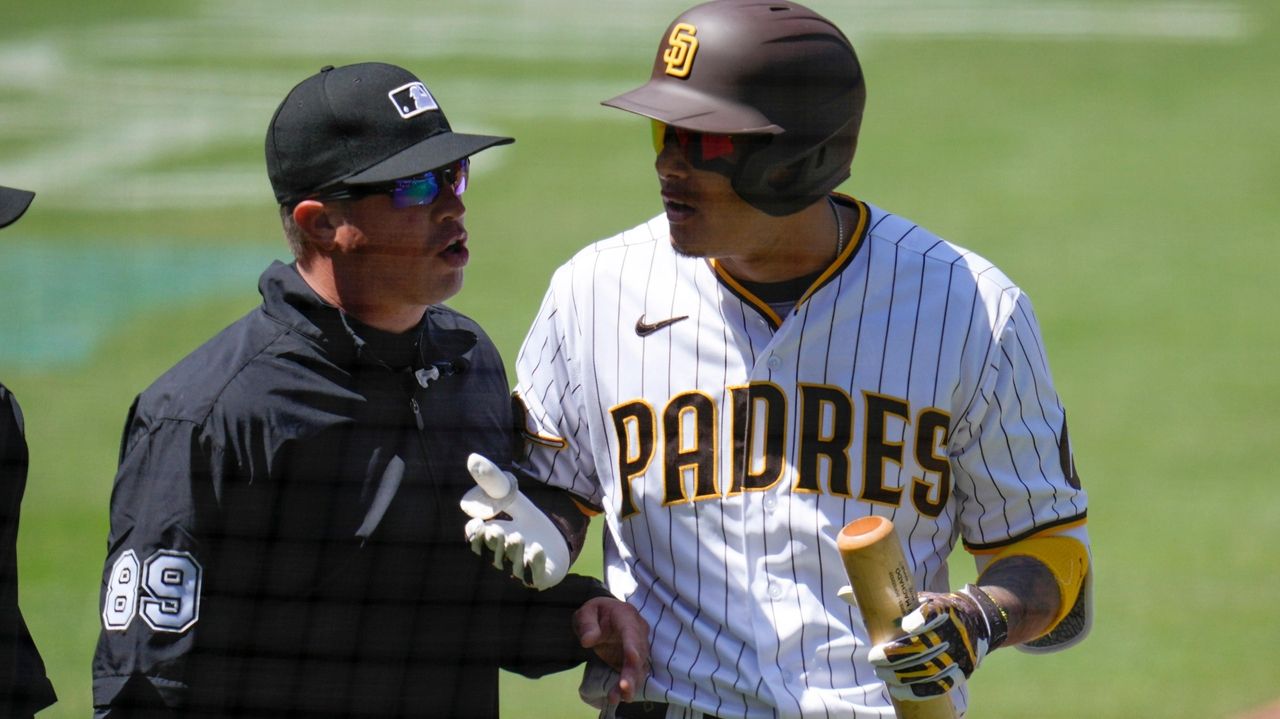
x=727, y=446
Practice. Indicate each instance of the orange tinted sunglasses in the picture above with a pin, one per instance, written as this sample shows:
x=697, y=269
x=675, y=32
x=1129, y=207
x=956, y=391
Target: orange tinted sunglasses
x=699, y=148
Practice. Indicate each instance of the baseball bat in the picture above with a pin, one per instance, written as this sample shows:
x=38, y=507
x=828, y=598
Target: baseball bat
x=885, y=592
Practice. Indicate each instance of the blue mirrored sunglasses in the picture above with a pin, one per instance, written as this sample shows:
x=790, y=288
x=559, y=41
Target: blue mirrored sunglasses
x=413, y=191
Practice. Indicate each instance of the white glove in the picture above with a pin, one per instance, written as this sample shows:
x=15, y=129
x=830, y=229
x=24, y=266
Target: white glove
x=506, y=523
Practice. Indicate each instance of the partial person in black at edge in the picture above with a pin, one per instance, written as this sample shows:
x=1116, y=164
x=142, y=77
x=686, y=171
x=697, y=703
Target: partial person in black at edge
x=285, y=533
x=24, y=688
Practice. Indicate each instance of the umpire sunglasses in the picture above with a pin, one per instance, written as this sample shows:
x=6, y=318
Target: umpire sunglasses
x=703, y=150
x=414, y=191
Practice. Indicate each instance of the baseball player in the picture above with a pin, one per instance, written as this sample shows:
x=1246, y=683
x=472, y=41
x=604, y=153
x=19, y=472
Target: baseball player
x=283, y=522
x=24, y=688
x=736, y=379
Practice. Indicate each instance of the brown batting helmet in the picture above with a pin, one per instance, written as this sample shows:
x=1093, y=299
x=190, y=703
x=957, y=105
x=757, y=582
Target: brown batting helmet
x=776, y=72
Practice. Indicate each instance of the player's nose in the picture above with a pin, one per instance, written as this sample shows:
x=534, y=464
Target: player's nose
x=671, y=162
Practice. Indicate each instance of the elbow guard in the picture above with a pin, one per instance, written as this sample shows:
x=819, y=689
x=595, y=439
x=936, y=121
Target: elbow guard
x=1066, y=558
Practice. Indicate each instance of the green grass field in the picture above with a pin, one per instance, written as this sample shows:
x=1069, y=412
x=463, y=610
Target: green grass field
x=1117, y=158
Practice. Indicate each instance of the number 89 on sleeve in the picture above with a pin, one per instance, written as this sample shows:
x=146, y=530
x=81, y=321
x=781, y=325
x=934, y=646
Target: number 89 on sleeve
x=165, y=590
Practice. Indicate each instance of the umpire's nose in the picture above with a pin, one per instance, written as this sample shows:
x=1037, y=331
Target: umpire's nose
x=448, y=205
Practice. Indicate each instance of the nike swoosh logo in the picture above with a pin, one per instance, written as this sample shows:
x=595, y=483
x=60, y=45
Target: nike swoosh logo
x=644, y=329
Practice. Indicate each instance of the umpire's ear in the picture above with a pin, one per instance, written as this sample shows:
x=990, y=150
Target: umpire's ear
x=315, y=219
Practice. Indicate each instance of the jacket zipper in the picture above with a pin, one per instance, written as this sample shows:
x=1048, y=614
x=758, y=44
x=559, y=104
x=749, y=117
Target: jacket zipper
x=417, y=416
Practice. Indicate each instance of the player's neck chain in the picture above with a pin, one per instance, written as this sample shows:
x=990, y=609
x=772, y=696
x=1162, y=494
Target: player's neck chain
x=839, y=226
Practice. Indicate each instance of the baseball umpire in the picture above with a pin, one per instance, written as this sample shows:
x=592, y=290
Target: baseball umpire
x=24, y=687
x=736, y=379
x=284, y=519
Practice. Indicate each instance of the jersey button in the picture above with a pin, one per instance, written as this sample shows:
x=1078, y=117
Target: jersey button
x=775, y=590
x=774, y=362
x=770, y=502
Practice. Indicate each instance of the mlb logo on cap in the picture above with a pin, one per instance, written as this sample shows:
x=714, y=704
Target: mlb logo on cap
x=412, y=99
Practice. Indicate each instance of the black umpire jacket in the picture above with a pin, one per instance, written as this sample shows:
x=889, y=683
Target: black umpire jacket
x=285, y=533
x=24, y=688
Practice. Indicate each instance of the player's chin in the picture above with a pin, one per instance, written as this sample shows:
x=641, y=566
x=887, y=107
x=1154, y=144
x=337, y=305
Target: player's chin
x=686, y=243
x=685, y=224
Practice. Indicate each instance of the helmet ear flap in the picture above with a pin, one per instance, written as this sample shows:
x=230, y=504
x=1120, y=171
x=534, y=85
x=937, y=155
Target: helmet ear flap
x=783, y=178
x=758, y=176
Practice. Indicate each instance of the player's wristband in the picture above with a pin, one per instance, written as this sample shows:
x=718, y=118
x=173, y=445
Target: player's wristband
x=996, y=616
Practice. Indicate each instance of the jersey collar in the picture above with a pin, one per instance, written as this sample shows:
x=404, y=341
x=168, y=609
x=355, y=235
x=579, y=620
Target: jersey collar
x=837, y=266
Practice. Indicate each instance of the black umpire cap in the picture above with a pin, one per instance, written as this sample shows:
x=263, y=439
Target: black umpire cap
x=12, y=204
x=362, y=124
